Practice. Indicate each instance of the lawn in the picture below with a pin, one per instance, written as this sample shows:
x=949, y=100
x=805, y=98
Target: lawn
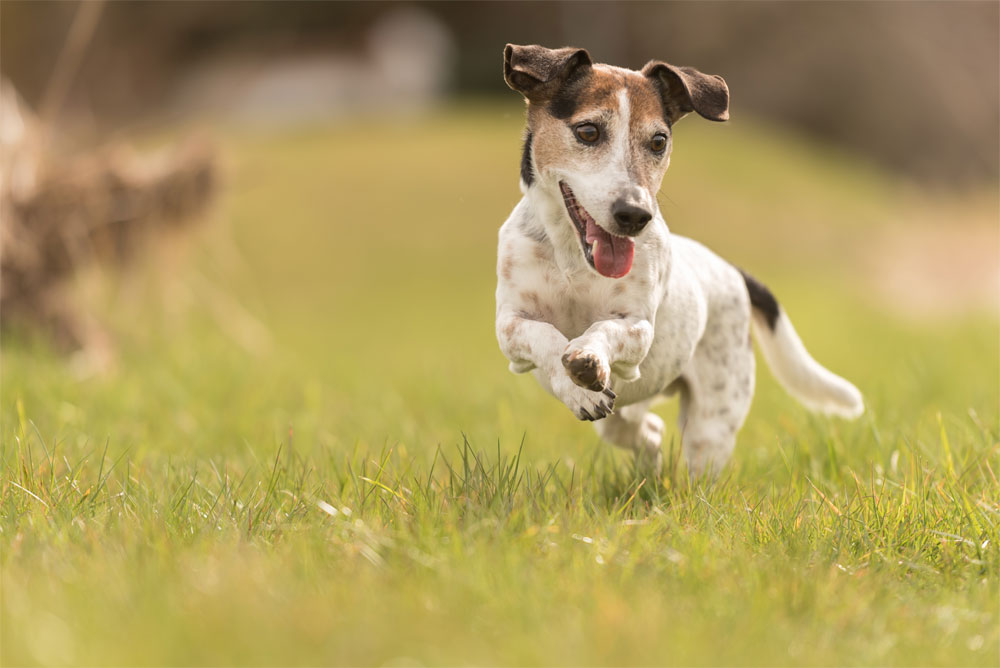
x=310, y=450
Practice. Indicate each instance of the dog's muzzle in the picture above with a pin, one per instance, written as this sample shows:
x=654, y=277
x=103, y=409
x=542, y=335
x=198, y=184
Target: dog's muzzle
x=610, y=254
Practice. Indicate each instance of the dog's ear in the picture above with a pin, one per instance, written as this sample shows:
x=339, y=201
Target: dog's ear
x=685, y=89
x=538, y=73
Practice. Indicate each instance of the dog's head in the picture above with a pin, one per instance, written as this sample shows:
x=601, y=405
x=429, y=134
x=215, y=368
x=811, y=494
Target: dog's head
x=599, y=137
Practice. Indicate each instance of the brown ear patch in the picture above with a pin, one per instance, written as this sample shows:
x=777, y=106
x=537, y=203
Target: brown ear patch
x=538, y=73
x=685, y=89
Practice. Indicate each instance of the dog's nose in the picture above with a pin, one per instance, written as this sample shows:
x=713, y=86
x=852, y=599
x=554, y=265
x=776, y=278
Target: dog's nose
x=631, y=219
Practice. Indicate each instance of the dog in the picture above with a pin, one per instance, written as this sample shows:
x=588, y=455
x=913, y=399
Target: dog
x=597, y=298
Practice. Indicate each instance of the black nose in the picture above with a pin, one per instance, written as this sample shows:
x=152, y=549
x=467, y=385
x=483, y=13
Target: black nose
x=631, y=219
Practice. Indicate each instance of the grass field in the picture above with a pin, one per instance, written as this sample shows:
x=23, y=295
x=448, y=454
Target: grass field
x=342, y=471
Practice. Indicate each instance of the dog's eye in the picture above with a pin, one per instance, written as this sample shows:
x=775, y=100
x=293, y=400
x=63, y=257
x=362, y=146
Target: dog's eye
x=658, y=143
x=587, y=132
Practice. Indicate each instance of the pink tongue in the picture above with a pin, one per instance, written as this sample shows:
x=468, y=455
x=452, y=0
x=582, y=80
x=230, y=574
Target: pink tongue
x=612, y=255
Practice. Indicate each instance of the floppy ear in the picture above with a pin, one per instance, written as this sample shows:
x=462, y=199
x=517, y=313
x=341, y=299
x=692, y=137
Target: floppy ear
x=538, y=73
x=685, y=89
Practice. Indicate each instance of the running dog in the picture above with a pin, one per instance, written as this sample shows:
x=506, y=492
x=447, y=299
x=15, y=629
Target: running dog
x=597, y=298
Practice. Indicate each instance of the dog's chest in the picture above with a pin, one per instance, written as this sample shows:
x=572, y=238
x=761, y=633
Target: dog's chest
x=573, y=303
x=532, y=281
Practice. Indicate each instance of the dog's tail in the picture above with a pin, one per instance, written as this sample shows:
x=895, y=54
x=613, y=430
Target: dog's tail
x=803, y=377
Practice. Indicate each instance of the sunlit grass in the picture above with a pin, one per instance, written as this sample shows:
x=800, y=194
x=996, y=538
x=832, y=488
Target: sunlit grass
x=368, y=484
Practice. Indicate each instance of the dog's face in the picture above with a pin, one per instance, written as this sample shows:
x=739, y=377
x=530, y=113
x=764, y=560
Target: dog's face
x=599, y=137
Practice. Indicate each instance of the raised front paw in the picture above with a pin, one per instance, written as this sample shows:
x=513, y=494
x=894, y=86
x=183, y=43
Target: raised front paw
x=587, y=369
x=585, y=404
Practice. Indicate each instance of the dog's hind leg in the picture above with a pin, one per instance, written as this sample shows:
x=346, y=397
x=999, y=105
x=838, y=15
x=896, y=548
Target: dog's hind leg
x=715, y=394
x=635, y=428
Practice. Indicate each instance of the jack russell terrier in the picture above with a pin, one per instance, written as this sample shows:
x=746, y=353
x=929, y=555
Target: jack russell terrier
x=595, y=295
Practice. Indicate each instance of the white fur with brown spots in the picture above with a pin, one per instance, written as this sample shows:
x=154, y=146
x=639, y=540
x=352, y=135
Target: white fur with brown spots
x=678, y=320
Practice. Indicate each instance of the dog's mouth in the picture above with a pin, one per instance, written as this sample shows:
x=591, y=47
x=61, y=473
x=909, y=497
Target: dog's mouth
x=609, y=254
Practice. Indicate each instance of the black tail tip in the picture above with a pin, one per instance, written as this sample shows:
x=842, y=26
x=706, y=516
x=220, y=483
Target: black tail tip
x=762, y=299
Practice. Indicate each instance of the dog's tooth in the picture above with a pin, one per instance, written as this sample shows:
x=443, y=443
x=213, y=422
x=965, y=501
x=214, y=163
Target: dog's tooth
x=593, y=249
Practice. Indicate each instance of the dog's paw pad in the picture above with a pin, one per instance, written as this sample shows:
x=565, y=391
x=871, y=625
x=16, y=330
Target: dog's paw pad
x=587, y=370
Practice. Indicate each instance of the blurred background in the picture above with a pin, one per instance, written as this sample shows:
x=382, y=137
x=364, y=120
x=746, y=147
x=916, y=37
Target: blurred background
x=294, y=176
x=912, y=85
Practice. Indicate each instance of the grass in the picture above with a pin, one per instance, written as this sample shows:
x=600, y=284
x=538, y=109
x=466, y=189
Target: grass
x=357, y=479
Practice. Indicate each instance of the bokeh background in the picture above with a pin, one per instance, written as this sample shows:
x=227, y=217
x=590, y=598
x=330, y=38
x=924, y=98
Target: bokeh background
x=911, y=85
x=236, y=228
x=905, y=93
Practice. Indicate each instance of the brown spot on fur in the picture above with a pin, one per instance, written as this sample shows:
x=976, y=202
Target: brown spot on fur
x=506, y=267
x=618, y=289
x=532, y=298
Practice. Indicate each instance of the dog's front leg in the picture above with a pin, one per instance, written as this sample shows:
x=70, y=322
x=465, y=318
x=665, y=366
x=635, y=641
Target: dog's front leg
x=617, y=345
x=530, y=344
